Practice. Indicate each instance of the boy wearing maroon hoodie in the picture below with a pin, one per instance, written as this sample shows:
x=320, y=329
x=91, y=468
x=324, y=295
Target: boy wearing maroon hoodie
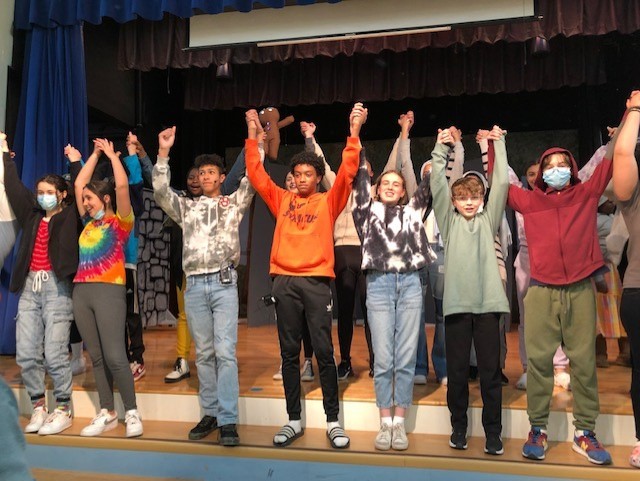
x=560, y=225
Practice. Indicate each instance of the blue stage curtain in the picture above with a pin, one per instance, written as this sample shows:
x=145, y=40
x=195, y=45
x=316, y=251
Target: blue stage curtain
x=50, y=13
x=53, y=113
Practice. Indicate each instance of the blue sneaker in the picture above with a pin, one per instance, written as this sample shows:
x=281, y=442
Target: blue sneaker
x=590, y=448
x=536, y=445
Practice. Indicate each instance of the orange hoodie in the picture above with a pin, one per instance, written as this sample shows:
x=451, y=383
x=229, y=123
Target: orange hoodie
x=303, y=239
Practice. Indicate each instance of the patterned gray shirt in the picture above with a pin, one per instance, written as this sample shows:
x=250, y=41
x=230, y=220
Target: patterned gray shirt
x=210, y=225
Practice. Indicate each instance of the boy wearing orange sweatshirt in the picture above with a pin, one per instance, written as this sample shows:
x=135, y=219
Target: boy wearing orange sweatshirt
x=301, y=264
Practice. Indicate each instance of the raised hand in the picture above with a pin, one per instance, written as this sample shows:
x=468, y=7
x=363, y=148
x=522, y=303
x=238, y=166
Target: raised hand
x=357, y=118
x=496, y=133
x=634, y=99
x=406, y=121
x=166, y=138
x=308, y=129
x=456, y=133
x=611, y=131
x=445, y=137
x=106, y=146
x=72, y=153
x=4, y=146
x=481, y=135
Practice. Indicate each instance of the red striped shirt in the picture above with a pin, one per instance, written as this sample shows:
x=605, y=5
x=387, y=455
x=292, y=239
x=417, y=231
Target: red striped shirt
x=40, y=256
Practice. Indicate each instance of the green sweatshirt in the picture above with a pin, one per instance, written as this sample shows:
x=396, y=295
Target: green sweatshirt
x=472, y=280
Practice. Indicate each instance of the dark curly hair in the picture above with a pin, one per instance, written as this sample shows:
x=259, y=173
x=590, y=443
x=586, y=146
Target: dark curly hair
x=308, y=158
x=210, y=159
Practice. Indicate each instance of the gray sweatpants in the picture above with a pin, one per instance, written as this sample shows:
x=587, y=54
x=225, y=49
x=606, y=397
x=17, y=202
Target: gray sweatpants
x=100, y=311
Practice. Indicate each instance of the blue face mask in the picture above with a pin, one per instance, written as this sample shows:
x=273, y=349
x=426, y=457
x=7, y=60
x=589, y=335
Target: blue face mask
x=99, y=215
x=47, y=201
x=557, y=177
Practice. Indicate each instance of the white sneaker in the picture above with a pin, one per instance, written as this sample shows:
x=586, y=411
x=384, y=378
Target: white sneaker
x=102, y=423
x=383, y=438
x=134, y=423
x=57, y=422
x=399, y=440
x=562, y=379
x=278, y=375
x=180, y=371
x=420, y=379
x=444, y=381
x=522, y=382
x=38, y=418
x=78, y=365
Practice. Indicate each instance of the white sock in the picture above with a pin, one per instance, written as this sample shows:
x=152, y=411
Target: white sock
x=340, y=441
x=386, y=420
x=76, y=350
x=398, y=420
x=297, y=427
x=579, y=432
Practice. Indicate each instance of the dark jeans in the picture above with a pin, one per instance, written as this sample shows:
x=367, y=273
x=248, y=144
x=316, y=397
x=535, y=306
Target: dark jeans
x=630, y=314
x=350, y=280
x=300, y=300
x=484, y=329
x=133, y=333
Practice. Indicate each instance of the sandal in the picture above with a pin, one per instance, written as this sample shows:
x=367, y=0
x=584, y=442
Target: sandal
x=289, y=434
x=336, y=433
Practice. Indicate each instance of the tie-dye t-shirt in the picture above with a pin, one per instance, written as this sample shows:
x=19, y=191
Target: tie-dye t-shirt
x=102, y=250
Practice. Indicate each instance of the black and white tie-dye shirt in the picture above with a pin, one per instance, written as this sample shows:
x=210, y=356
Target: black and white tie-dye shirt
x=392, y=237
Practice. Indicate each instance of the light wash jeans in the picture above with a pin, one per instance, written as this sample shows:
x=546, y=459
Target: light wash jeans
x=212, y=316
x=394, y=304
x=43, y=324
x=434, y=274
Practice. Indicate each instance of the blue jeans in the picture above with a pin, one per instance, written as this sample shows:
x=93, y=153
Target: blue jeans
x=212, y=316
x=433, y=275
x=394, y=304
x=42, y=334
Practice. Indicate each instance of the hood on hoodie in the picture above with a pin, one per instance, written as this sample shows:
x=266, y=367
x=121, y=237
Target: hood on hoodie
x=541, y=184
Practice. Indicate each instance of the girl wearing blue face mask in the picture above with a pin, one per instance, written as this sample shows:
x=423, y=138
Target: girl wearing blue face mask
x=46, y=263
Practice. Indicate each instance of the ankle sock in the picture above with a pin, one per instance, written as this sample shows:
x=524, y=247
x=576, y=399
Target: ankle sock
x=386, y=420
x=398, y=420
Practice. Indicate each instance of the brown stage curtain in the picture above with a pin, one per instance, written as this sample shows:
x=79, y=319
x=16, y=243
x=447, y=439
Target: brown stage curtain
x=503, y=67
x=145, y=45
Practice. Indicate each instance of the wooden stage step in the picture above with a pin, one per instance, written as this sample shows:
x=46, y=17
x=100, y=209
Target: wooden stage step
x=428, y=452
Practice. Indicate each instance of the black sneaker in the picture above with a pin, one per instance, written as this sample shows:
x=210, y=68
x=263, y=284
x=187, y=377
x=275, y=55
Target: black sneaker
x=344, y=370
x=228, y=435
x=206, y=426
x=493, y=444
x=504, y=379
x=458, y=440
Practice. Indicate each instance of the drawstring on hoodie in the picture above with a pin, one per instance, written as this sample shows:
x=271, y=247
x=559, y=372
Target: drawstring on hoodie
x=41, y=276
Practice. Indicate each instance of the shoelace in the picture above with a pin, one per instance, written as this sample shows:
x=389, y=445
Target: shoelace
x=177, y=366
x=40, y=277
x=535, y=436
x=591, y=436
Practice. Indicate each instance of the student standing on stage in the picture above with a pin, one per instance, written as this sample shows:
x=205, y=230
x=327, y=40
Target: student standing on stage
x=46, y=262
x=627, y=191
x=99, y=294
x=210, y=254
x=560, y=226
x=394, y=249
x=302, y=263
x=473, y=294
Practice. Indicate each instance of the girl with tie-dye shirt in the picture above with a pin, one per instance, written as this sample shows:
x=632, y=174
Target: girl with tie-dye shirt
x=99, y=298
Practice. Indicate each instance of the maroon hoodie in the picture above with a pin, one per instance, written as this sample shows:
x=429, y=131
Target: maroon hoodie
x=561, y=225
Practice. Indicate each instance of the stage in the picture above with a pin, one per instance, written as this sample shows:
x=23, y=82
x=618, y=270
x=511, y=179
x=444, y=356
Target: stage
x=170, y=410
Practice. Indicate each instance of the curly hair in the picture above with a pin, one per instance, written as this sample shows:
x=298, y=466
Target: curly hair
x=308, y=158
x=470, y=185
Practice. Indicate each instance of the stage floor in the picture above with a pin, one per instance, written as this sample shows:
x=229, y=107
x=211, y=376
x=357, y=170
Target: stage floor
x=259, y=358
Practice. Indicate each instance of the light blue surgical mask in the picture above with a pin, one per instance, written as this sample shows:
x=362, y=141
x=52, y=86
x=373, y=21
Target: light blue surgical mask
x=557, y=177
x=48, y=201
x=99, y=215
